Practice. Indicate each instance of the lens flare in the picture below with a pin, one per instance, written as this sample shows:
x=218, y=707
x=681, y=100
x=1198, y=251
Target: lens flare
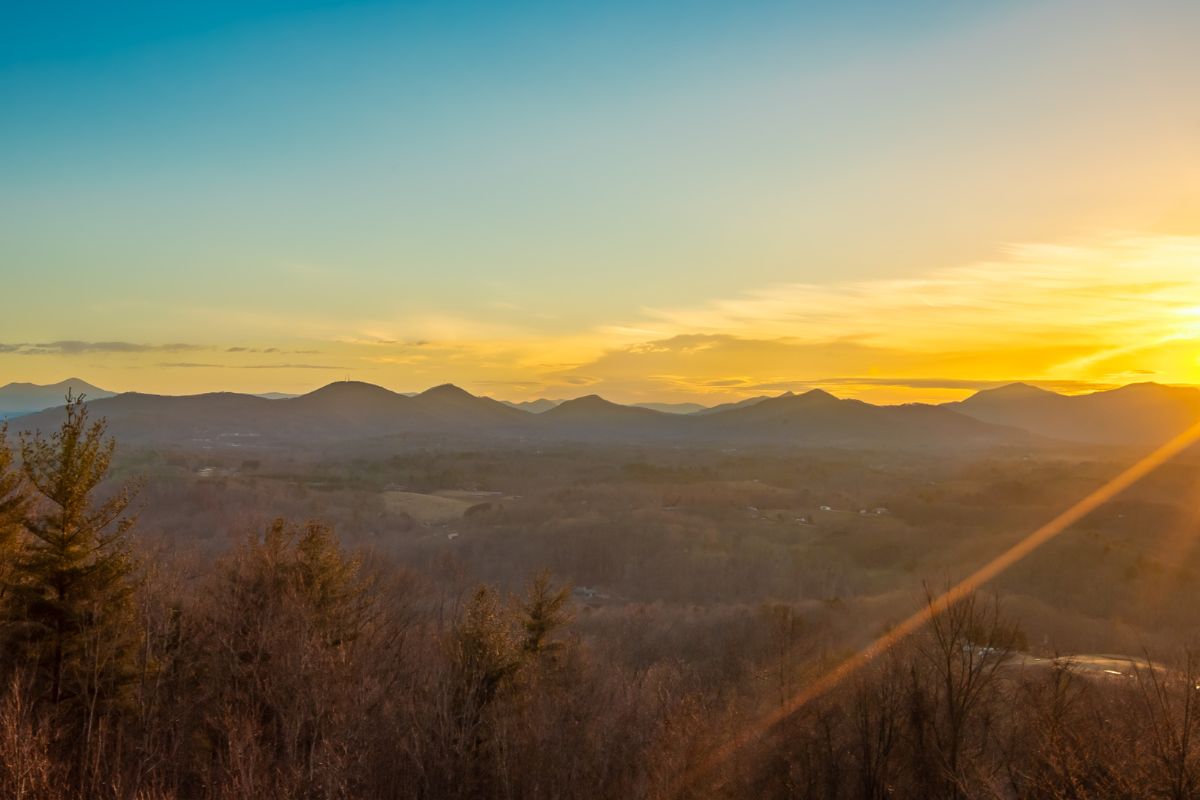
x=941, y=603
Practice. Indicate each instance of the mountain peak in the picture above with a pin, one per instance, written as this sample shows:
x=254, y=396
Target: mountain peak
x=811, y=397
x=1013, y=391
x=588, y=401
x=77, y=383
x=347, y=391
x=349, y=386
x=22, y=398
x=1144, y=386
x=446, y=390
x=594, y=405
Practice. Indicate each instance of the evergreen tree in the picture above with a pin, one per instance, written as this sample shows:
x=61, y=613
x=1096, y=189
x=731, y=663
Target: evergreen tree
x=14, y=501
x=330, y=584
x=484, y=650
x=544, y=612
x=69, y=621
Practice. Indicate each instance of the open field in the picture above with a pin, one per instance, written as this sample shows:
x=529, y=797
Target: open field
x=427, y=509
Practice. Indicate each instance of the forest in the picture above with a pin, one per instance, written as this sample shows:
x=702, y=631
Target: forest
x=591, y=641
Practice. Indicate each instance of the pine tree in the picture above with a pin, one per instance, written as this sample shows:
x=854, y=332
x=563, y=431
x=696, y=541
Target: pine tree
x=484, y=650
x=330, y=584
x=70, y=618
x=14, y=501
x=544, y=613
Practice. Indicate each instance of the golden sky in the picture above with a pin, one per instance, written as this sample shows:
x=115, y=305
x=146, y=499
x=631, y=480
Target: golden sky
x=1075, y=317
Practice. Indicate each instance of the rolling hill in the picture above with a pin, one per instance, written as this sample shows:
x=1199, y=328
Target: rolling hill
x=26, y=398
x=1138, y=414
x=818, y=418
x=350, y=411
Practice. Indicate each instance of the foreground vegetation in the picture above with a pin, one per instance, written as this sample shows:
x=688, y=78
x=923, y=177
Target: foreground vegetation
x=288, y=667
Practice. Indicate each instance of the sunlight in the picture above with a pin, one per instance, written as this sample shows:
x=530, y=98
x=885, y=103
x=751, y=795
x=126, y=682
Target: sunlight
x=941, y=603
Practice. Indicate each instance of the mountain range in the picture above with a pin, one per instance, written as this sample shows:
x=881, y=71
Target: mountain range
x=354, y=411
x=25, y=398
x=1135, y=414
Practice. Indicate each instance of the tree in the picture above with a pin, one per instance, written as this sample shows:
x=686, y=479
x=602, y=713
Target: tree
x=14, y=502
x=330, y=584
x=483, y=651
x=279, y=659
x=954, y=692
x=69, y=619
x=544, y=613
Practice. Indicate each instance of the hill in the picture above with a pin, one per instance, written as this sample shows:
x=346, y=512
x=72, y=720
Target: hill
x=532, y=406
x=818, y=418
x=749, y=401
x=25, y=398
x=350, y=411
x=673, y=408
x=343, y=411
x=1138, y=414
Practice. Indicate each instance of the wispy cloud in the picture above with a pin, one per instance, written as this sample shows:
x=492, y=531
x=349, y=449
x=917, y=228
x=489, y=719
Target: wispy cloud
x=211, y=365
x=919, y=383
x=1076, y=317
x=78, y=347
x=1120, y=289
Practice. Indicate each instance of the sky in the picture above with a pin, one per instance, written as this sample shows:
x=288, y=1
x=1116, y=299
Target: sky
x=653, y=201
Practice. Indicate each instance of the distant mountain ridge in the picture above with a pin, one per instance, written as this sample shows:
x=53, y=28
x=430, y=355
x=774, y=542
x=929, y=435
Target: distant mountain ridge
x=542, y=405
x=352, y=411
x=1140, y=413
x=26, y=398
x=533, y=406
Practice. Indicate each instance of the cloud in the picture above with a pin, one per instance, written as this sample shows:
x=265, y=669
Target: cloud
x=204, y=365
x=1122, y=288
x=74, y=347
x=188, y=365
x=922, y=383
x=71, y=347
x=1076, y=317
x=292, y=366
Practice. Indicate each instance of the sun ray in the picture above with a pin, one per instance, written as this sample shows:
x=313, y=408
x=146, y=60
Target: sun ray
x=864, y=657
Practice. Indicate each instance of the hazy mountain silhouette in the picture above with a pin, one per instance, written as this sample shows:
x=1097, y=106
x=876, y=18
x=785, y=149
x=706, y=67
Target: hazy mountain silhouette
x=354, y=411
x=749, y=401
x=450, y=400
x=542, y=405
x=593, y=407
x=593, y=417
x=1142, y=413
x=26, y=398
x=817, y=417
x=673, y=408
x=533, y=406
